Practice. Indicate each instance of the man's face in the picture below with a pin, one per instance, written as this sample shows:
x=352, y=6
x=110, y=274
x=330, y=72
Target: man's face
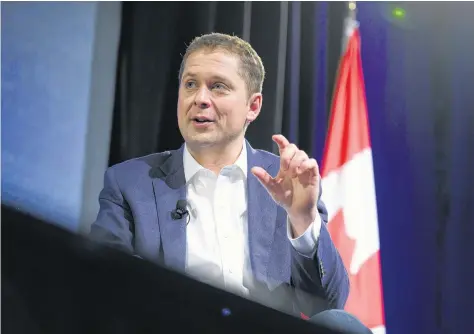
x=213, y=103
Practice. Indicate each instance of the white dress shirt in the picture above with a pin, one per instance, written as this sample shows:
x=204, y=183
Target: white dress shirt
x=217, y=235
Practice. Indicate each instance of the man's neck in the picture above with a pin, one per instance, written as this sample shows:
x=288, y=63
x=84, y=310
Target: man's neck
x=215, y=158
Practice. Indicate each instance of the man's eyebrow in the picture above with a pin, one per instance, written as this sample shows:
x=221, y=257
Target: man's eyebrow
x=188, y=74
x=214, y=77
x=220, y=78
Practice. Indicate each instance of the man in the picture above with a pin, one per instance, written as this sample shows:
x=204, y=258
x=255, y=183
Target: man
x=255, y=219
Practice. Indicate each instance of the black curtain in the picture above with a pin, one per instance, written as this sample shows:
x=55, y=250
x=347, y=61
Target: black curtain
x=287, y=35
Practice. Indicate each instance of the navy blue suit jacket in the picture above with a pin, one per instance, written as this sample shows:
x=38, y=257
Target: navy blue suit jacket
x=135, y=216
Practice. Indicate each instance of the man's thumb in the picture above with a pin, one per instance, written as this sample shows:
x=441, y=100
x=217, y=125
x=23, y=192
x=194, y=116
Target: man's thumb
x=265, y=179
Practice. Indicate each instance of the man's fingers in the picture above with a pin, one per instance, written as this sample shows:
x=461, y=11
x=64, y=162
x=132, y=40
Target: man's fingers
x=265, y=179
x=287, y=156
x=296, y=162
x=292, y=160
x=309, y=165
x=281, y=141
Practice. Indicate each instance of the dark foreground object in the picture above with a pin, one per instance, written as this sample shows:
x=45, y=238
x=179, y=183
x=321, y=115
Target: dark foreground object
x=57, y=282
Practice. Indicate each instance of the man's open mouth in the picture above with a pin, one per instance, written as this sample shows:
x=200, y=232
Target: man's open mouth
x=202, y=120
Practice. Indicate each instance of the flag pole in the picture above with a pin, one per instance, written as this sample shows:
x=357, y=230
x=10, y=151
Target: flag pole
x=352, y=9
x=349, y=22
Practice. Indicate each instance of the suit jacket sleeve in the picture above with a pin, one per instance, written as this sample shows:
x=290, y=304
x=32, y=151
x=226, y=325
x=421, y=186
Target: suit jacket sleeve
x=114, y=225
x=320, y=277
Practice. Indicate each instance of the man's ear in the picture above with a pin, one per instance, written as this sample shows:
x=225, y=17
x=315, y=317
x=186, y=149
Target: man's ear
x=255, y=105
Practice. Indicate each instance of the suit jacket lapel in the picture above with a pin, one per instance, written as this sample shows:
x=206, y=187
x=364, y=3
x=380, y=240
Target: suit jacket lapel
x=262, y=212
x=170, y=187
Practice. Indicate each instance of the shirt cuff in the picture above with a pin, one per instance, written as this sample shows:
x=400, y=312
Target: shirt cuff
x=305, y=244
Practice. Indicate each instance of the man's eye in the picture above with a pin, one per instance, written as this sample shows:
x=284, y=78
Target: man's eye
x=218, y=86
x=190, y=84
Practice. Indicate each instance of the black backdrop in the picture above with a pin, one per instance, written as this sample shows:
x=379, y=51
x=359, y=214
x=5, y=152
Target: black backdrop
x=288, y=37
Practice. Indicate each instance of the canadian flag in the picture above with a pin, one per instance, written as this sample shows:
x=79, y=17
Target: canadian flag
x=349, y=189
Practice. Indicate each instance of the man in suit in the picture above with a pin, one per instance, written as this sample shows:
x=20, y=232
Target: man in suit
x=253, y=219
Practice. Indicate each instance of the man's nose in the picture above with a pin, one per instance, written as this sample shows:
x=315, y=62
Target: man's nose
x=202, y=99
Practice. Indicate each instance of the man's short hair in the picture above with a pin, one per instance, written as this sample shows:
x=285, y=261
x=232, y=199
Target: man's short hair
x=251, y=66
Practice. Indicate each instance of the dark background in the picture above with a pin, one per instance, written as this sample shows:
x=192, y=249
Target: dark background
x=299, y=53
x=420, y=90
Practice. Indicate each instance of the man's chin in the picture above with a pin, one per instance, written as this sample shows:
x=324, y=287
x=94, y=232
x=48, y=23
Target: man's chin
x=202, y=140
x=208, y=140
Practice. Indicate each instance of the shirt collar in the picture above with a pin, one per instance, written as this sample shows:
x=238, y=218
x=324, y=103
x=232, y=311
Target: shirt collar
x=191, y=166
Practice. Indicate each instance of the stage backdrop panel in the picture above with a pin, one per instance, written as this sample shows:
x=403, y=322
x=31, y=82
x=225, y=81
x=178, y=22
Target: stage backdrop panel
x=58, y=83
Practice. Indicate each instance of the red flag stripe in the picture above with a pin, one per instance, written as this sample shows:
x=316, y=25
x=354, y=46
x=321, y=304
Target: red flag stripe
x=345, y=120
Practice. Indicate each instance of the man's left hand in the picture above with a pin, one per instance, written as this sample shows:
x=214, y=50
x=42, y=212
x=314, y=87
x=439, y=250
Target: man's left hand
x=295, y=187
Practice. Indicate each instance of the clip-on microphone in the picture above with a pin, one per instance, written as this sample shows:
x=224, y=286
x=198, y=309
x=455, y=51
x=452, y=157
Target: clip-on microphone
x=181, y=211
